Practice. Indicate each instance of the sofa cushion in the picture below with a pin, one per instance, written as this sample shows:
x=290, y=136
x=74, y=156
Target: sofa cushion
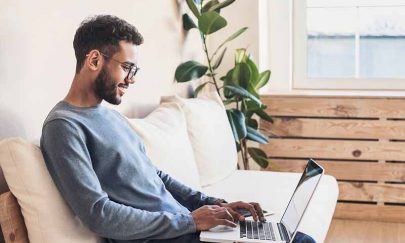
x=210, y=135
x=46, y=215
x=273, y=191
x=164, y=133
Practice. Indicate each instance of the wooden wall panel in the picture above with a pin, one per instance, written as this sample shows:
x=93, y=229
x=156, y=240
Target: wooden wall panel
x=347, y=170
x=335, y=106
x=360, y=141
x=373, y=192
x=370, y=212
x=335, y=149
x=336, y=128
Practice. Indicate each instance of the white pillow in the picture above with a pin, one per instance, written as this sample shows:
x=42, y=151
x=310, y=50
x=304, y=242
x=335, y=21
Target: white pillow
x=210, y=135
x=164, y=134
x=46, y=215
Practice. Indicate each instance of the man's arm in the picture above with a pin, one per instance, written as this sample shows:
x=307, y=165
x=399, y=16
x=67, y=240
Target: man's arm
x=188, y=197
x=69, y=163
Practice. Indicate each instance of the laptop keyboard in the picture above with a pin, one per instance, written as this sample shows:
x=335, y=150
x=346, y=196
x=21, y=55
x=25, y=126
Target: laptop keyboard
x=250, y=229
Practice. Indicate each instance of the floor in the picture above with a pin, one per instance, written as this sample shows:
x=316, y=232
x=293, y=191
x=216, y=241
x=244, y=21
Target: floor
x=354, y=231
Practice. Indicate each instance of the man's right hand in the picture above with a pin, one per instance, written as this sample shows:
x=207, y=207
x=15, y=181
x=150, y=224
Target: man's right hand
x=209, y=216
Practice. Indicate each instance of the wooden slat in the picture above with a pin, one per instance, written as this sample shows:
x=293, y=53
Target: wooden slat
x=335, y=149
x=335, y=106
x=370, y=212
x=336, y=128
x=359, y=191
x=347, y=170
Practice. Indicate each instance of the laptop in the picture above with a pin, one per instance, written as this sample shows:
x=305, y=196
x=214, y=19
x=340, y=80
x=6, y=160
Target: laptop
x=273, y=231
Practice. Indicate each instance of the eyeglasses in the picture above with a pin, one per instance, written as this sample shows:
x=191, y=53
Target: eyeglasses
x=132, y=69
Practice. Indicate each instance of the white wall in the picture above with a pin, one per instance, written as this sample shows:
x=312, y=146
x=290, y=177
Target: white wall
x=37, y=60
x=242, y=13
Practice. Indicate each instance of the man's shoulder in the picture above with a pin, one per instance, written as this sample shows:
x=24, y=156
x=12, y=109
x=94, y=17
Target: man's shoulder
x=60, y=112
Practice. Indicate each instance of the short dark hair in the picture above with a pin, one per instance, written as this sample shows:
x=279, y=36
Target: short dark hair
x=103, y=32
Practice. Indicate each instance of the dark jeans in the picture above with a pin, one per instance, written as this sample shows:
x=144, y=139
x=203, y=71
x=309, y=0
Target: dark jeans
x=195, y=238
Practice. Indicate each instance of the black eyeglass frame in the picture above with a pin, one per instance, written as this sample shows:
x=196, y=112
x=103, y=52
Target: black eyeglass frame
x=133, y=68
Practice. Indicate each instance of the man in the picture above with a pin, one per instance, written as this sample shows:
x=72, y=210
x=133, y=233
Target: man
x=99, y=164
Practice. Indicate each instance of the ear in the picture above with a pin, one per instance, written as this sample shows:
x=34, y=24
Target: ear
x=94, y=60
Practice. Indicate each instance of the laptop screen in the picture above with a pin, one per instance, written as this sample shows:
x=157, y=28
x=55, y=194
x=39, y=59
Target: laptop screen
x=301, y=197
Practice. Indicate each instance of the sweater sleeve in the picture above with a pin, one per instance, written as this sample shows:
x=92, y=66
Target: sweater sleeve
x=188, y=197
x=69, y=163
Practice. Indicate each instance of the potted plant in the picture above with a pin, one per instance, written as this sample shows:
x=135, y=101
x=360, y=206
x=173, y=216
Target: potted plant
x=238, y=88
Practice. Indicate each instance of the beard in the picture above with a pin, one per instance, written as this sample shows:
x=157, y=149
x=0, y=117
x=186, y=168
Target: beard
x=106, y=88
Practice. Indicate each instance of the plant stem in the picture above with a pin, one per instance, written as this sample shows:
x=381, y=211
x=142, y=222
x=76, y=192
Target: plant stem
x=209, y=63
x=245, y=158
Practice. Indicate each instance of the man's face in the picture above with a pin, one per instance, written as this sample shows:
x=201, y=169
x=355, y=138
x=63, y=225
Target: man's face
x=111, y=83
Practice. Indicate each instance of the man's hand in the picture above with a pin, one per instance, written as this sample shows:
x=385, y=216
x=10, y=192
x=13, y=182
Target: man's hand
x=254, y=208
x=209, y=216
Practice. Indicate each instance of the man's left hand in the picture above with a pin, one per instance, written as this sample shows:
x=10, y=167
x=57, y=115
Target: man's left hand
x=254, y=208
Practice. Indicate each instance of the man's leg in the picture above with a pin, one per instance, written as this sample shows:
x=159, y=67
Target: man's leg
x=303, y=238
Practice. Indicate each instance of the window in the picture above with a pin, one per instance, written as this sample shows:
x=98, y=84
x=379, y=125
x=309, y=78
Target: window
x=348, y=44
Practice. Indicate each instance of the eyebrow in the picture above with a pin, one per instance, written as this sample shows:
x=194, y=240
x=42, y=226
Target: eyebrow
x=129, y=63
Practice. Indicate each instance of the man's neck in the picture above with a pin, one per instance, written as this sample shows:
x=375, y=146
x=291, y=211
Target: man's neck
x=81, y=93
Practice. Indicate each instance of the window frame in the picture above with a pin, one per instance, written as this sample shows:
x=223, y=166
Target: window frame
x=283, y=44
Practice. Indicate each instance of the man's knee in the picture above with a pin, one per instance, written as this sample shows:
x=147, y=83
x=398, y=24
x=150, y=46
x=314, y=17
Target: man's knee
x=303, y=238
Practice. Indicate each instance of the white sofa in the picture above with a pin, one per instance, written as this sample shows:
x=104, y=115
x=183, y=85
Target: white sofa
x=189, y=139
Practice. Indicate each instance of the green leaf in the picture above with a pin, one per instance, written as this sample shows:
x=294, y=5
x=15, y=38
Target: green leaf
x=254, y=135
x=252, y=123
x=237, y=122
x=263, y=79
x=252, y=106
x=233, y=36
x=259, y=156
x=241, y=92
x=252, y=90
x=227, y=77
x=188, y=23
x=210, y=22
x=240, y=55
x=241, y=75
x=193, y=8
x=189, y=71
x=208, y=5
x=262, y=114
x=198, y=89
x=254, y=77
x=221, y=5
x=238, y=148
x=227, y=102
x=219, y=59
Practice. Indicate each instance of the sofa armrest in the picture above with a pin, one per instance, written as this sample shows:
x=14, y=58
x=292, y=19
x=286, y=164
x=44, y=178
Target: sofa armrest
x=273, y=191
x=11, y=220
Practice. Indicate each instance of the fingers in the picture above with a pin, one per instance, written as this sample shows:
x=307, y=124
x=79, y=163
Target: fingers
x=259, y=211
x=236, y=215
x=252, y=211
x=224, y=214
x=226, y=222
x=254, y=208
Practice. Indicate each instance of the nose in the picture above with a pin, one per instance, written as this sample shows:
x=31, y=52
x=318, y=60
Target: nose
x=130, y=81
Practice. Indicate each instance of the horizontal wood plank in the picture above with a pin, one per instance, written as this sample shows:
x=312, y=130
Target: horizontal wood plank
x=359, y=191
x=335, y=106
x=335, y=149
x=347, y=170
x=383, y=213
x=336, y=128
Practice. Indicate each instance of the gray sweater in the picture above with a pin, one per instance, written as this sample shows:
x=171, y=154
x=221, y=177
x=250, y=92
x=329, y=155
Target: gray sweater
x=100, y=167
